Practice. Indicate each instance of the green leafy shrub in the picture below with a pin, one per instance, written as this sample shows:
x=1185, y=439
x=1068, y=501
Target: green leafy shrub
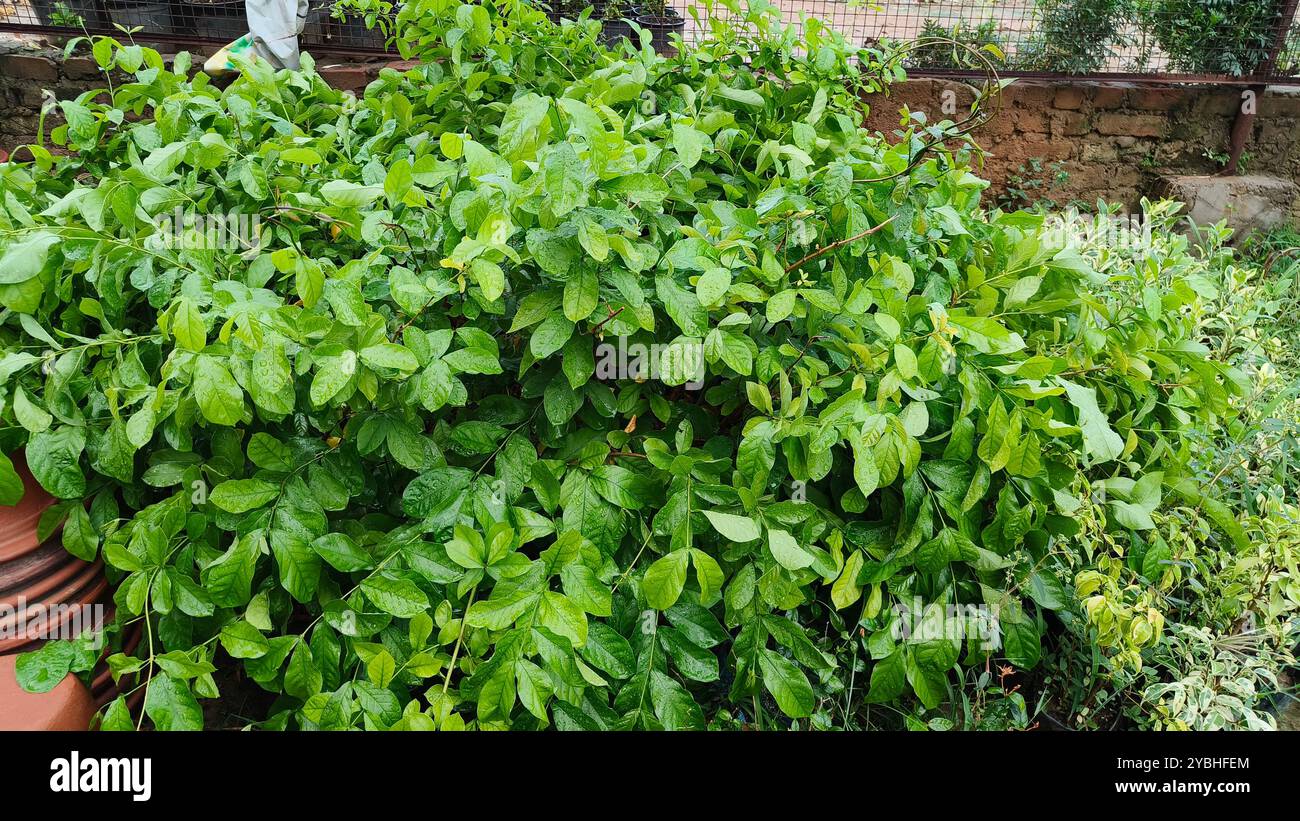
x=374, y=452
x=956, y=46
x=1214, y=36
x=1075, y=36
x=1217, y=682
x=1032, y=185
x=1216, y=568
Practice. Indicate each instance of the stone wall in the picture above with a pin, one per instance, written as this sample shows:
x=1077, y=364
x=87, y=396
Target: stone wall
x=24, y=76
x=1109, y=140
x=1106, y=140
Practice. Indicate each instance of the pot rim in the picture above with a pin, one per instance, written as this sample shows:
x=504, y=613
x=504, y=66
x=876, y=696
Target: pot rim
x=93, y=585
x=18, y=523
x=657, y=21
x=43, y=577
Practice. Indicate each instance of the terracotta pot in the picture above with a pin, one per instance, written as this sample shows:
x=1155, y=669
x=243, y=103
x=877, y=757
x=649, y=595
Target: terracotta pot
x=73, y=604
x=35, y=574
x=105, y=695
x=103, y=687
x=132, y=701
x=43, y=589
x=18, y=523
x=46, y=593
x=68, y=706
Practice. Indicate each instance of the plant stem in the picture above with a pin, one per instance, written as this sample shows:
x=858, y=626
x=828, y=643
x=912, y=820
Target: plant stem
x=460, y=634
x=826, y=249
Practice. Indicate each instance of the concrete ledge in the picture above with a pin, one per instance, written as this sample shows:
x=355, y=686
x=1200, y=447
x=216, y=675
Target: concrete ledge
x=1249, y=203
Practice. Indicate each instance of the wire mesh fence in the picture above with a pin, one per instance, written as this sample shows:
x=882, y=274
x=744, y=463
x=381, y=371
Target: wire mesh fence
x=1213, y=38
x=1245, y=39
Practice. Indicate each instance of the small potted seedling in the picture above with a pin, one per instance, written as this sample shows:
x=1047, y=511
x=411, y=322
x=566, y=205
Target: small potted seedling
x=572, y=9
x=662, y=21
x=73, y=14
x=149, y=16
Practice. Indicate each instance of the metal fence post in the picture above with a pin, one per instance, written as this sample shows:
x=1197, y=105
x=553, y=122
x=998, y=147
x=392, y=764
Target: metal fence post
x=1245, y=119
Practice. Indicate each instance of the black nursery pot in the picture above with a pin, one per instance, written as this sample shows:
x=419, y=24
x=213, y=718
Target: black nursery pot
x=1056, y=724
x=558, y=10
x=661, y=27
x=613, y=31
x=149, y=15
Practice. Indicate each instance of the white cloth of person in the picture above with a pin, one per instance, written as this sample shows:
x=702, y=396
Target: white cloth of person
x=274, y=26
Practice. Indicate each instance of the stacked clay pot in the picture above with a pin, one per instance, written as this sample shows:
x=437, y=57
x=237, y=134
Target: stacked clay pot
x=45, y=591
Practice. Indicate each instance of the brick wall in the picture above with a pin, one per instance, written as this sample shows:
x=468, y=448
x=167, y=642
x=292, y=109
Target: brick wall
x=1111, y=140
